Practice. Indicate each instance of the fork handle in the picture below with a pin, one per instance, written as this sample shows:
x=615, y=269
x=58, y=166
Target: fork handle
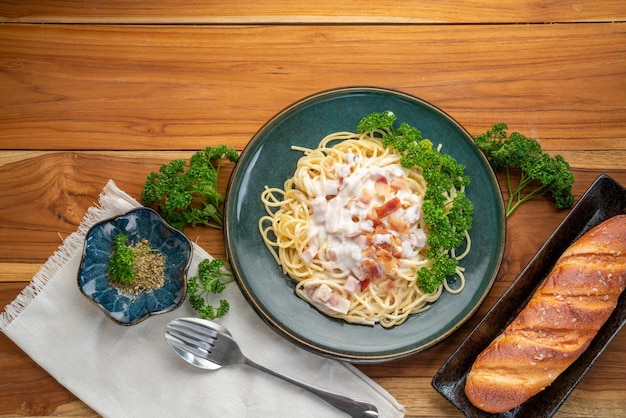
x=350, y=406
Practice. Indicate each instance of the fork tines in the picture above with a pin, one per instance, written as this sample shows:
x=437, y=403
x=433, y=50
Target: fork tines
x=192, y=335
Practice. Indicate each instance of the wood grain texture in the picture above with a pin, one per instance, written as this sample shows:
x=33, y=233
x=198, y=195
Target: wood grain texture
x=174, y=88
x=112, y=90
x=290, y=12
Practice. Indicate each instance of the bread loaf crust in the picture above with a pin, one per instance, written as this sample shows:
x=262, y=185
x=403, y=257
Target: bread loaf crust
x=558, y=323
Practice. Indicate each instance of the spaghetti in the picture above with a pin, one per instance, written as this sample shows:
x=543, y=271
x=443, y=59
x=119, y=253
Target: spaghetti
x=347, y=227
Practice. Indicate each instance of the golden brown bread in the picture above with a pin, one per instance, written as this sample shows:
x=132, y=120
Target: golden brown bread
x=557, y=325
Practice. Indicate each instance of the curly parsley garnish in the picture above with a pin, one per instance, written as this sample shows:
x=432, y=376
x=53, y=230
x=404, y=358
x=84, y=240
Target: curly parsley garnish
x=211, y=279
x=189, y=196
x=537, y=173
x=447, y=222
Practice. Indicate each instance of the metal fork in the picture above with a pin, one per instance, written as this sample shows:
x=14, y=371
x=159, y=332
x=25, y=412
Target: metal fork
x=208, y=345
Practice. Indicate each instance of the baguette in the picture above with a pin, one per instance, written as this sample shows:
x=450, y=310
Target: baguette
x=558, y=323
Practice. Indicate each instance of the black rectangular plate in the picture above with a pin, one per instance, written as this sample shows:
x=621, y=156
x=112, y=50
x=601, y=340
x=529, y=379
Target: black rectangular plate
x=603, y=200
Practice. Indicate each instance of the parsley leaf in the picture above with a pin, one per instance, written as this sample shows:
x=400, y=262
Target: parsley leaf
x=189, y=195
x=530, y=172
x=211, y=279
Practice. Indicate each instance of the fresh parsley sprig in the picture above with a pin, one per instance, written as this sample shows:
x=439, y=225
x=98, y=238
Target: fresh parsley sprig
x=447, y=222
x=211, y=279
x=189, y=195
x=530, y=172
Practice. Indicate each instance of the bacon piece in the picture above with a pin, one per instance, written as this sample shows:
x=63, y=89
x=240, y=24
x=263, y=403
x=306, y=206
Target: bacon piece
x=368, y=251
x=385, y=246
x=370, y=269
x=399, y=184
x=382, y=186
x=351, y=284
x=365, y=196
x=309, y=254
x=387, y=261
x=388, y=207
x=396, y=250
x=398, y=224
x=327, y=301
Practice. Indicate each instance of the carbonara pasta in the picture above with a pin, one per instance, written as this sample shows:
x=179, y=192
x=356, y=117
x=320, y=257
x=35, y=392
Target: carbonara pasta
x=347, y=227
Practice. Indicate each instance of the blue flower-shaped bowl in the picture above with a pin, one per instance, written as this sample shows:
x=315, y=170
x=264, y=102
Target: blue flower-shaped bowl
x=123, y=307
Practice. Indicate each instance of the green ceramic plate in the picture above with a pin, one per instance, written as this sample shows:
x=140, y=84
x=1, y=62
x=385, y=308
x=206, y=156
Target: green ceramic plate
x=269, y=160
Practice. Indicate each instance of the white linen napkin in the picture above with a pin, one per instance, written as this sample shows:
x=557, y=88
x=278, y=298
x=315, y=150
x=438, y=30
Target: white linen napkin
x=131, y=371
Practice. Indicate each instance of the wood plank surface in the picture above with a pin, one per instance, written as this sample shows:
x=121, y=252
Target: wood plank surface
x=293, y=12
x=92, y=91
x=174, y=88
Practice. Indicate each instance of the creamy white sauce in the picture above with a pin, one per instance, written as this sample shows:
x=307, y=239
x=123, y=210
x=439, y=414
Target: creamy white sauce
x=346, y=231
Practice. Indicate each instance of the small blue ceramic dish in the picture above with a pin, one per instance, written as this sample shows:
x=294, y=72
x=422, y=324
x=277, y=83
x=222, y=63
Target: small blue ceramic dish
x=127, y=308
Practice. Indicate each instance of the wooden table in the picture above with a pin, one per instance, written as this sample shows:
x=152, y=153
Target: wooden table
x=113, y=89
